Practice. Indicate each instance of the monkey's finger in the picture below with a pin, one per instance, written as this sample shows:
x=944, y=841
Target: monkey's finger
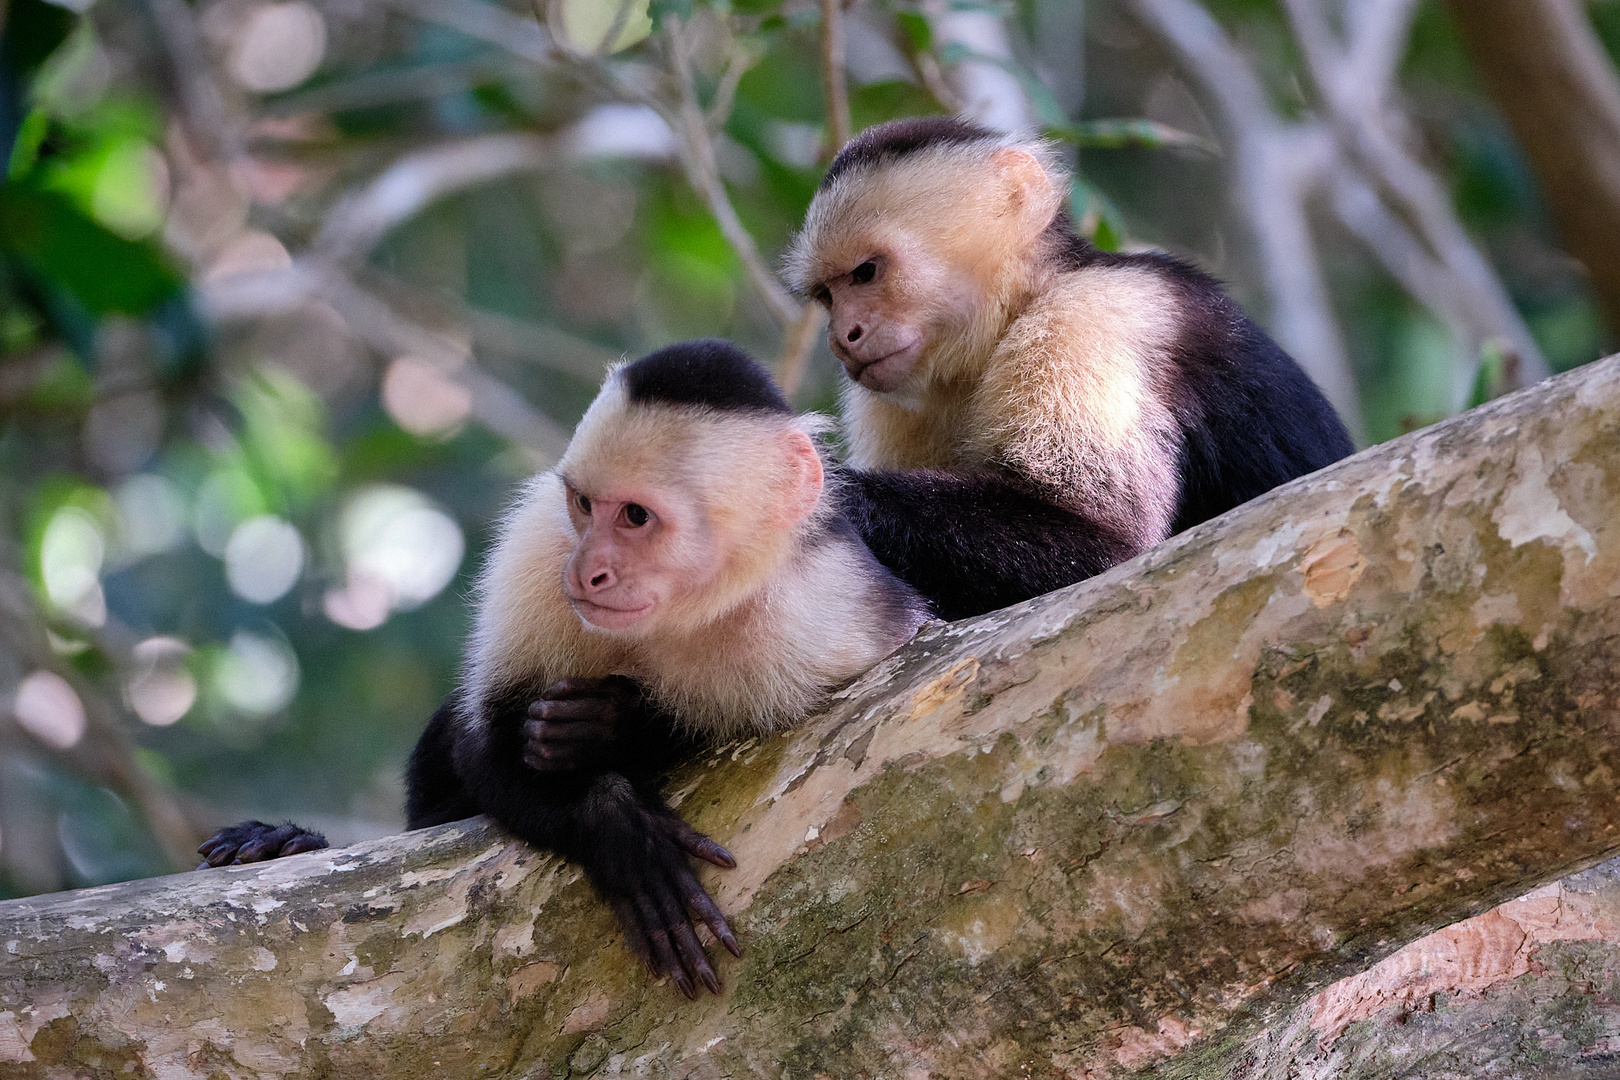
x=658, y=935
x=686, y=942
x=304, y=841
x=219, y=854
x=568, y=688
x=552, y=757
x=698, y=900
x=268, y=845
x=696, y=844
x=567, y=729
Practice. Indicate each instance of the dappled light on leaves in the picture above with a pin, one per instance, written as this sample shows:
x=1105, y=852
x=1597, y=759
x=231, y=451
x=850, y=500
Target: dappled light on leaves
x=585, y=25
x=131, y=192
x=50, y=710
x=70, y=557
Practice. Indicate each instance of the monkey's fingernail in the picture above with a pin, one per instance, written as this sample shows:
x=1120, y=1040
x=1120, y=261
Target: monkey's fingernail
x=683, y=981
x=731, y=945
x=711, y=981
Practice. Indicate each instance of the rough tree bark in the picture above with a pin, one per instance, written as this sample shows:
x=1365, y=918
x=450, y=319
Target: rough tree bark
x=1546, y=70
x=1130, y=826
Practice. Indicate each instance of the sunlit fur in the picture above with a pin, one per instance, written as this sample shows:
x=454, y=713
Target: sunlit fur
x=1061, y=375
x=786, y=616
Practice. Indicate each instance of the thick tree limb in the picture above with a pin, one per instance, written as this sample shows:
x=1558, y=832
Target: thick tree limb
x=1121, y=827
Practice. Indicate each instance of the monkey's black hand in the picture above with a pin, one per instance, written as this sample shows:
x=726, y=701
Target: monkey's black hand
x=255, y=841
x=640, y=866
x=584, y=725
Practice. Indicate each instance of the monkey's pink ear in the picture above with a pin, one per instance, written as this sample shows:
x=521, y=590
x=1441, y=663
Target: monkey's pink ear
x=1021, y=167
x=806, y=478
x=1026, y=181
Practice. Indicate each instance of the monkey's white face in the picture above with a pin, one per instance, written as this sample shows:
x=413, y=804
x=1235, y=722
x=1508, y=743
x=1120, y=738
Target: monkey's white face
x=878, y=346
x=912, y=259
x=888, y=309
x=639, y=552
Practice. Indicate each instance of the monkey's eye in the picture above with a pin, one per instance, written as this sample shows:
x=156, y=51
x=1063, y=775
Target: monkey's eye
x=822, y=296
x=636, y=515
x=583, y=502
x=864, y=273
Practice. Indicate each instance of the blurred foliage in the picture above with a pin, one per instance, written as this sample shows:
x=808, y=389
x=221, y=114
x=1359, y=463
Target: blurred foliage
x=236, y=528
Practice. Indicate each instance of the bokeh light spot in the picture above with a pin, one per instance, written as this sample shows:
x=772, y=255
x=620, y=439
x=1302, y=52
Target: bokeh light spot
x=423, y=400
x=162, y=688
x=263, y=559
x=50, y=710
x=257, y=675
x=151, y=515
x=399, y=550
x=280, y=46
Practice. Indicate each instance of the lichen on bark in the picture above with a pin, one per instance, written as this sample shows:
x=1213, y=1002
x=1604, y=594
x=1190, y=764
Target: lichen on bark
x=1133, y=825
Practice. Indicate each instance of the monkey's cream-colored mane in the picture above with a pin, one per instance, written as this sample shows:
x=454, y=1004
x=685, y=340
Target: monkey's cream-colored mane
x=788, y=619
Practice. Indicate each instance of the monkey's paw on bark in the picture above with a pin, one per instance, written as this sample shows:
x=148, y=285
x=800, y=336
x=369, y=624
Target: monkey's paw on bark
x=256, y=841
x=584, y=725
x=649, y=883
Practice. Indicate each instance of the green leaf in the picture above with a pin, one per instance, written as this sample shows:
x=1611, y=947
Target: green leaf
x=1104, y=236
x=1095, y=215
x=1488, y=379
x=100, y=269
x=918, y=30
x=1117, y=132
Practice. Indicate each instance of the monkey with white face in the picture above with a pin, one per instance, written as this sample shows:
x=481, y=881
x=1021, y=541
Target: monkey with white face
x=1025, y=410
x=681, y=577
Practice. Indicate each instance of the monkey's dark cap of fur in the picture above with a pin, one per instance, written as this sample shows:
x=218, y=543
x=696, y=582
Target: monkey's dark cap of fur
x=888, y=143
x=707, y=372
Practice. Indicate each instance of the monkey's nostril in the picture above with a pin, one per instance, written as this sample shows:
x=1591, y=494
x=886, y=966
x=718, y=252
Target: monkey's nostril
x=855, y=334
x=599, y=580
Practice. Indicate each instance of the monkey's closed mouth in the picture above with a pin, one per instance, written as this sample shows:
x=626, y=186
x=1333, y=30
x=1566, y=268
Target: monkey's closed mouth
x=872, y=365
x=587, y=608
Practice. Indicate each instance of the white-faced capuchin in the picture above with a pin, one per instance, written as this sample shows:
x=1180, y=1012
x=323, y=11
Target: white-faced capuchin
x=1026, y=410
x=682, y=576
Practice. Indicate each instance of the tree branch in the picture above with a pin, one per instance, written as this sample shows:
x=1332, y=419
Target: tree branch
x=1275, y=167
x=413, y=181
x=697, y=156
x=1360, y=110
x=1545, y=68
x=833, y=86
x=1113, y=830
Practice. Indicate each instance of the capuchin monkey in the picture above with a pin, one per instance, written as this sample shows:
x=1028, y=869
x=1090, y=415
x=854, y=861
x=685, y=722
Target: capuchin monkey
x=683, y=576
x=1025, y=410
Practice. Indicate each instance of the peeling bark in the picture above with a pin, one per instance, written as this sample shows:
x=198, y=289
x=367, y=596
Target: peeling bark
x=1132, y=825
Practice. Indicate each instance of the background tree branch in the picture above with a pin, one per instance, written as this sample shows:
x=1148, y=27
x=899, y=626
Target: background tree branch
x=1548, y=73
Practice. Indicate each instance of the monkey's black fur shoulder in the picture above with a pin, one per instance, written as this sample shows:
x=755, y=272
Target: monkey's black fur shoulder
x=709, y=372
x=1250, y=417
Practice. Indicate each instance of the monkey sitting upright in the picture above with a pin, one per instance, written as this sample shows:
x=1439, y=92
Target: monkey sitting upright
x=685, y=575
x=1024, y=409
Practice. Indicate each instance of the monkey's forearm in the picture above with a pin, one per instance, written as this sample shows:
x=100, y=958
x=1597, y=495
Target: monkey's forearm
x=977, y=542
